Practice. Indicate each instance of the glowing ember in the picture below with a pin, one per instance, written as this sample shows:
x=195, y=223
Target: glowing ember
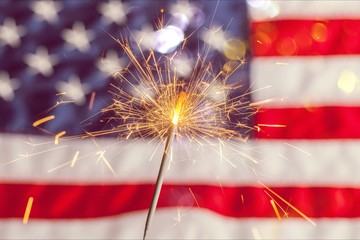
x=28, y=210
x=43, y=120
x=58, y=136
x=273, y=204
x=178, y=108
x=289, y=204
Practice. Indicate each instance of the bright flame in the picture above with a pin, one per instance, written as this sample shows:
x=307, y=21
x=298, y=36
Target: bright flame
x=178, y=107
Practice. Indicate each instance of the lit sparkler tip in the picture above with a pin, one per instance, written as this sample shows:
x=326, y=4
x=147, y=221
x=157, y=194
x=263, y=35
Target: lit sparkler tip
x=178, y=107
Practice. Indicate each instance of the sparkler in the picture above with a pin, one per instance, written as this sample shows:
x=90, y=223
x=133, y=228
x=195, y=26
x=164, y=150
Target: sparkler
x=160, y=104
x=160, y=178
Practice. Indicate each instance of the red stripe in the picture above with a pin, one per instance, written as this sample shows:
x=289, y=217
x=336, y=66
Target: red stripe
x=305, y=37
x=309, y=123
x=90, y=201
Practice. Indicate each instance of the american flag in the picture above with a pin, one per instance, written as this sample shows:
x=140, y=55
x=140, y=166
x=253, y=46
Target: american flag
x=57, y=63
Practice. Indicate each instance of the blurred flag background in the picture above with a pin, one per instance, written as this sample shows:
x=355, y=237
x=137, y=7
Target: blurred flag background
x=58, y=60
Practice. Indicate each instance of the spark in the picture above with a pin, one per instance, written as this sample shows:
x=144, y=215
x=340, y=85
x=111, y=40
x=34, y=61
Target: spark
x=289, y=204
x=60, y=94
x=58, y=136
x=193, y=195
x=151, y=112
x=103, y=158
x=272, y=201
x=28, y=210
x=92, y=99
x=277, y=205
x=283, y=156
x=282, y=63
x=297, y=148
x=256, y=233
x=271, y=125
x=43, y=120
x=58, y=167
x=74, y=159
x=220, y=152
x=27, y=155
x=260, y=103
x=178, y=217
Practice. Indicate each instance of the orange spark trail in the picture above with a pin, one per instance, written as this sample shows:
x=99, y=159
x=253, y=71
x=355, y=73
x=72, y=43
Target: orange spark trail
x=271, y=125
x=289, y=204
x=43, y=120
x=193, y=195
x=58, y=136
x=275, y=209
x=276, y=205
x=92, y=99
x=28, y=210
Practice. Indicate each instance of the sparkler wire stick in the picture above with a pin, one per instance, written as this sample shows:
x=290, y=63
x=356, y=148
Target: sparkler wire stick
x=160, y=177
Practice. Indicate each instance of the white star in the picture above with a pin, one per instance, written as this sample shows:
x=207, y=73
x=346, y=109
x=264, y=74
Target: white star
x=111, y=63
x=114, y=11
x=216, y=92
x=10, y=33
x=74, y=90
x=183, y=65
x=7, y=86
x=145, y=37
x=47, y=10
x=184, y=7
x=184, y=13
x=214, y=37
x=78, y=37
x=143, y=92
x=41, y=61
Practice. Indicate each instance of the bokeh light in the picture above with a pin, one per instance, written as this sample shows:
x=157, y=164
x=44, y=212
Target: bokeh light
x=319, y=32
x=234, y=49
x=348, y=82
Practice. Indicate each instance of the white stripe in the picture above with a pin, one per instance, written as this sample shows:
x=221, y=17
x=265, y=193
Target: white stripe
x=180, y=223
x=266, y=9
x=279, y=162
x=306, y=81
